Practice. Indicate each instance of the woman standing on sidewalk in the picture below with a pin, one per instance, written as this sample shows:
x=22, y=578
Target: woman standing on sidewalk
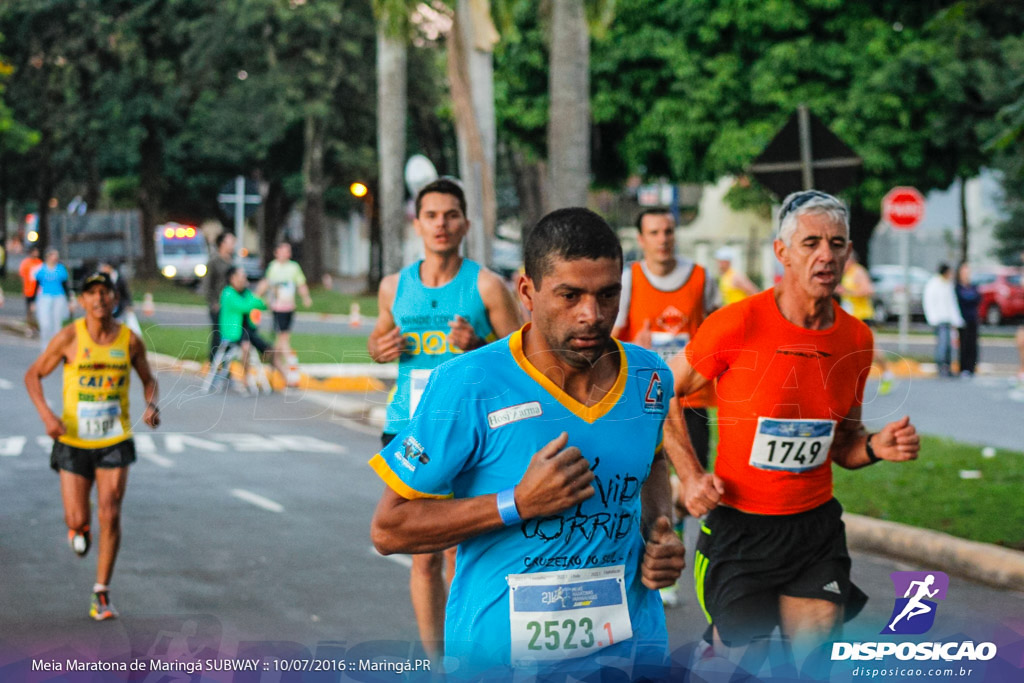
x=968, y=297
x=52, y=303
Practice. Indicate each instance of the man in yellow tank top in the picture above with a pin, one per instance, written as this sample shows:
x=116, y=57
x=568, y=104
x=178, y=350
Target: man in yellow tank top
x=856, y=291
x=733, y=284
x=93, y=436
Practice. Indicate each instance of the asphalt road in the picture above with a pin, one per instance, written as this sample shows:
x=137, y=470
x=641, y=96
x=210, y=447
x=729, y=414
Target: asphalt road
x=246, y=531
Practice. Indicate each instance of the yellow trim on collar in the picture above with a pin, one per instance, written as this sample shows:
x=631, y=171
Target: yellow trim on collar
x=380, y=466
x=589, y=414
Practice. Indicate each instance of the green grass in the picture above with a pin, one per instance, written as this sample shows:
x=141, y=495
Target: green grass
x=929, y=492
x=324, y=301
x=192, y=343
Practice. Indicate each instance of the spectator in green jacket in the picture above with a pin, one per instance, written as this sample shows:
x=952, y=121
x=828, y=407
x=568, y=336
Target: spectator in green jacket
x=236, y=305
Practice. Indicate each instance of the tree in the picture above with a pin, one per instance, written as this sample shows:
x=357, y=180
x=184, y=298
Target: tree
x=569, y=94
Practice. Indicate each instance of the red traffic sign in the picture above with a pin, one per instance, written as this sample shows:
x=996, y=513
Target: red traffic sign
x=903, y=208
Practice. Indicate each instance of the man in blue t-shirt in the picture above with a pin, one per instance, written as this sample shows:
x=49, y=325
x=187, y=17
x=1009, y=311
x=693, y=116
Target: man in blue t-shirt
x=540, y=457
x=430, y=312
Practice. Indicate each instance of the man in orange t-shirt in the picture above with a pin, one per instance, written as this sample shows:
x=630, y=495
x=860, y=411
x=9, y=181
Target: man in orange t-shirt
x=790, y=366
x=29, y=286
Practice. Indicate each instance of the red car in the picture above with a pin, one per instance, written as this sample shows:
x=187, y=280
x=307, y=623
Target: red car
x=1002, y=294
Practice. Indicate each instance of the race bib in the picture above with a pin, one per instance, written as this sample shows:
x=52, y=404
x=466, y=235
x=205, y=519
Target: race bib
x=417, y=385
x=668, y=344
x=791, y=445
x=99, y=420
x=284, y=296
x=563, y=615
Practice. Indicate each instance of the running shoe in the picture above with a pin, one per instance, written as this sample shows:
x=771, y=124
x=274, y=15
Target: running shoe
x=101, y=609
x=80, y=541
x=670, y=596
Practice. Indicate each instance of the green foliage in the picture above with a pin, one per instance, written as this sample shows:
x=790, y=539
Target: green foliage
x=692, y=90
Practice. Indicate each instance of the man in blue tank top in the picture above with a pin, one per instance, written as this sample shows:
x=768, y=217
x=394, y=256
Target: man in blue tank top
x=540, y=457
x=430, y=312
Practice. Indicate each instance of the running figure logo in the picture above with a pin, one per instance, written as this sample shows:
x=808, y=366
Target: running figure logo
x=914, y=613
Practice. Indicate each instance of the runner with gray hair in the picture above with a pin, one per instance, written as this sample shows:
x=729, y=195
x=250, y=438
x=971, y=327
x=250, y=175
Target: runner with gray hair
x=810, y=202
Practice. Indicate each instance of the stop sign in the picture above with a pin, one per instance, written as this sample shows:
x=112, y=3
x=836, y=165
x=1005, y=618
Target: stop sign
x=903, y=208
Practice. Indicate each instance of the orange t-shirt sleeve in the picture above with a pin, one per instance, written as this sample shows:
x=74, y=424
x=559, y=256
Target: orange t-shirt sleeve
x=716, y=342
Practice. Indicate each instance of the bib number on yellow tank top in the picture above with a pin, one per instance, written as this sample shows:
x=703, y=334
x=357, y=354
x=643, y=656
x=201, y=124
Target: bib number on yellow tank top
x=99, y=420
x=791, y=445
x=563, y=615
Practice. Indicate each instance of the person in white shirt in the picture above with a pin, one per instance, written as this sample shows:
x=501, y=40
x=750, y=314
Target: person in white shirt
x=281, y=282
x=943, y=313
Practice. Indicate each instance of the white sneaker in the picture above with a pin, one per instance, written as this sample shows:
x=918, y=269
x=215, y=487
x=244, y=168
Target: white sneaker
x=670, y=596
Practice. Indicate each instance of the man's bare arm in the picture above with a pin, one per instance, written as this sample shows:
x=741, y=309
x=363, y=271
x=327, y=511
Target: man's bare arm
x=897, y=442
x=137, y=351
x=386, y=342
x=502, y=313
x=557, y=479
x=55, y=353
x=664, y=553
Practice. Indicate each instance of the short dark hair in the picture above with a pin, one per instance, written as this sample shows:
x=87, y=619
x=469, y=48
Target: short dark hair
x=943, y=268
x=221, y=237
x=442, y=186
x=569, y=234
x=653, y=211
x=231, y=272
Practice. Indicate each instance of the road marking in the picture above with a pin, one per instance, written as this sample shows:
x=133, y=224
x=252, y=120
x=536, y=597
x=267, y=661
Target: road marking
x=175, y=443
x=404, y=560
x=156, y=459
x=257, y=500
x=355, y=425
x=12, y=445
x=6, y=383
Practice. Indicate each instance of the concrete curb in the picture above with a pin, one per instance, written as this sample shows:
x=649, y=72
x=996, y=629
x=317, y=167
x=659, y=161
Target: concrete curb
x=982, y=562
x=342, y=382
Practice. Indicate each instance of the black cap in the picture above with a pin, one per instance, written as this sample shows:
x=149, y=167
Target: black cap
x=97, y=278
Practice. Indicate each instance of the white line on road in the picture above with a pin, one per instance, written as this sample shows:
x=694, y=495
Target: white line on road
x=156, y=459
x=257, y=500
x=404, y=560
x=6, y=383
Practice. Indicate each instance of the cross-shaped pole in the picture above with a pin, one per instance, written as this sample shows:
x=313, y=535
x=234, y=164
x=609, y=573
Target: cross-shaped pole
x=239, y=199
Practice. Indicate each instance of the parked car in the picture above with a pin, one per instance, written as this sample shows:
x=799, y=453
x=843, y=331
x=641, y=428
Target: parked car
x=1002, y=293
x=251, y=263
x=890, y=292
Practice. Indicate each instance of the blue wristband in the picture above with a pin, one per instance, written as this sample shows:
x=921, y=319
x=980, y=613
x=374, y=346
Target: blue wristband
x=507, y=507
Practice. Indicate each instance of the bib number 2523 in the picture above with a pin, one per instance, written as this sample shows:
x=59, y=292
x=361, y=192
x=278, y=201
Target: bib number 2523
x=562, y=615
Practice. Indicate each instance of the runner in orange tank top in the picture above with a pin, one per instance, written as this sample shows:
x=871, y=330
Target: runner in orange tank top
x=664, y=300
x=791, y=367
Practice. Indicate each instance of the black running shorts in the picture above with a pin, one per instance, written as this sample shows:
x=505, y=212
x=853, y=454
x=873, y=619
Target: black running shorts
x=84, y=461
x=744, y=562
x=283, y=320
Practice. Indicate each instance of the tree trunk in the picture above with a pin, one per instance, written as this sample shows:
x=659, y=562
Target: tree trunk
x=151, y=153
x=313, y=217
x=391, y=115
x=471, y=79
x=531, y=180
x=569, y=116
x=275, y=213
x=964, y=228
